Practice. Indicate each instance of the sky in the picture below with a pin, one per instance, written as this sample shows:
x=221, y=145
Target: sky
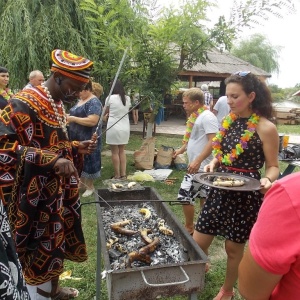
x=280, y=32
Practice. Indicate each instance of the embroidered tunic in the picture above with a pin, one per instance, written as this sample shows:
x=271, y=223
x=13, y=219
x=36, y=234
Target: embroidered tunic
x=43, y=208
x=12, y=283
x=228, y=213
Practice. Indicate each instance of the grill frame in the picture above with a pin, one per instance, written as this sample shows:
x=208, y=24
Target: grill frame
x=149, y=282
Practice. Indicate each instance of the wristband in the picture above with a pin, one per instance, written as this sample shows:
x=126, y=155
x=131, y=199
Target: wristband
x=269, y=179
x=75, y=143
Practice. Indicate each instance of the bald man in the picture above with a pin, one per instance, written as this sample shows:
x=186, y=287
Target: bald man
x=36, y=78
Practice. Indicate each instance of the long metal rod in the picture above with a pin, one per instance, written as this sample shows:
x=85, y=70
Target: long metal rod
x=111, y=90
x=132, y=108
x=172, y=202
x=103, y=200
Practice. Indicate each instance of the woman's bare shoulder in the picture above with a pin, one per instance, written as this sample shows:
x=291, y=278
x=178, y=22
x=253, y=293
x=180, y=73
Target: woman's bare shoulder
x=266, y=127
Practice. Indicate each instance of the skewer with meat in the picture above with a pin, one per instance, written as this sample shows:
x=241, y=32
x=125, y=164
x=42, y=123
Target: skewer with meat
x=163, y=229
x=228, y=181
x=136, y=256
x=144, y=235
x=118, y=228
x=143, y=253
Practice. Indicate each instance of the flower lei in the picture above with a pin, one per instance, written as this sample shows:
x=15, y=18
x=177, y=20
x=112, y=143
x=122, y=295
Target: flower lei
x=190, y=123
x=6, y=93
x=239, y=148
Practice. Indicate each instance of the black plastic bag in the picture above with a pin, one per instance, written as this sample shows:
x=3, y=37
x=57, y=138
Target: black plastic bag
x=292, y=152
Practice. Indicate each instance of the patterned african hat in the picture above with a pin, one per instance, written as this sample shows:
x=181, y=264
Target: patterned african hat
x=71, y=65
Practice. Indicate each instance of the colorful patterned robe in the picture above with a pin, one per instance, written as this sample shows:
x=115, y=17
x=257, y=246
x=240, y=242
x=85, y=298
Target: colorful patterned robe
x=12, y=283
x=43, y=208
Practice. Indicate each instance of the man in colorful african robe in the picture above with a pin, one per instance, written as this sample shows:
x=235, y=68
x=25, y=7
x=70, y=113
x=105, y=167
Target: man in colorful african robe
x=38, y=177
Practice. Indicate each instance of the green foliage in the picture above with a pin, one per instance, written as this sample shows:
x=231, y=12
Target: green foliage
x=160, y=43
x=31, y=29
x=258, y=51
x=278, y=94
x=186, y=34
x=223, y=34
x=247, y=13
x=158, y=50
x=283, y=94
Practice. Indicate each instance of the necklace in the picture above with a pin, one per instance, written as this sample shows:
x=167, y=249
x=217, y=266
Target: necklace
x=228, y=158
x=6, y=93
x=191, y=122
x=62, y=120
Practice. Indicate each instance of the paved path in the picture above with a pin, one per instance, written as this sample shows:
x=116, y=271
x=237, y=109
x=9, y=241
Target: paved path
x=172, y=126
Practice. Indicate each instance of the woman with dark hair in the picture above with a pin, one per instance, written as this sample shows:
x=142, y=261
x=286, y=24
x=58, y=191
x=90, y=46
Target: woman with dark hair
x=247, y=141
x=5, y=92
x=117, y=135
x=83, y=120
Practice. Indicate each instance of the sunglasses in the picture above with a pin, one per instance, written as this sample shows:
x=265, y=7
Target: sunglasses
x=242, y=73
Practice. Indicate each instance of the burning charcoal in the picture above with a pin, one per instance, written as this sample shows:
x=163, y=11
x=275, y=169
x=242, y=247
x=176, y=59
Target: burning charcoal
x=169, y=249
x=122, y=239
x=113, y=254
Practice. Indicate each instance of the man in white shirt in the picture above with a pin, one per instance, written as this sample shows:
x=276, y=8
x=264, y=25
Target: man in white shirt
x=198, y=147
x=221, y=109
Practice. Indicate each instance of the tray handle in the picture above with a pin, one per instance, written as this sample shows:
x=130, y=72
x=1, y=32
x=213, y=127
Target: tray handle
x=168, y=283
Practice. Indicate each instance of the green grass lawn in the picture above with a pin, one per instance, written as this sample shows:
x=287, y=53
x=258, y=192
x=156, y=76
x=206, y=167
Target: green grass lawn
x=87, y=270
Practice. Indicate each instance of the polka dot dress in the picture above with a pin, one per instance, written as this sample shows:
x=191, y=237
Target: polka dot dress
x=228, y=213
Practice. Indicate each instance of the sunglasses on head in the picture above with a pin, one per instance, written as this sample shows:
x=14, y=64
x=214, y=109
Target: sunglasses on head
x=242, y=73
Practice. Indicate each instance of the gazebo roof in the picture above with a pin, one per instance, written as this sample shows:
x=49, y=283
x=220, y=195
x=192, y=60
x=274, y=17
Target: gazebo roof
x=297, y=93
x=219, y=66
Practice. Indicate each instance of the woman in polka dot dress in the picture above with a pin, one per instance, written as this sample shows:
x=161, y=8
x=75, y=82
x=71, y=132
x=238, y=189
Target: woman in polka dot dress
x=247, y=140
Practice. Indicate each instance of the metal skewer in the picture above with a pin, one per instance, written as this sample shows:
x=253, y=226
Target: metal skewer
x=111, y=90
x=102, y=199
x=132, y=108
x=172, y=202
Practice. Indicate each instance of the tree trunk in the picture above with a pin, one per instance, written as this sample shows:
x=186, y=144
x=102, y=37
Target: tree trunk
x=150, y=127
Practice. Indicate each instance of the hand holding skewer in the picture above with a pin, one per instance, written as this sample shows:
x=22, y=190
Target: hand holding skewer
x=88, y=146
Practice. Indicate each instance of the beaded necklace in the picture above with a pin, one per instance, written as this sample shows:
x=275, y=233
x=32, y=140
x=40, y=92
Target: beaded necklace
x=239, y=148
x=191, y=122
x=6, y=93
x=62, y=120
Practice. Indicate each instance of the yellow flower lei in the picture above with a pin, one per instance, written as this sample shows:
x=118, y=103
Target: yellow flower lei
x=191, y=122
x=6, y=93
x=239, y=148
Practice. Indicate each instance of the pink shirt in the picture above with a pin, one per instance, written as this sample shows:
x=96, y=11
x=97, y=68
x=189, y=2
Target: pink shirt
x=275, y=238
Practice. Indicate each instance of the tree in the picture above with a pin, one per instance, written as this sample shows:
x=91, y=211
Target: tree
x=31, y=29
x=247, y=14
x=259, y=52
x=159, y=46
x=278, y=94
x=102, y=29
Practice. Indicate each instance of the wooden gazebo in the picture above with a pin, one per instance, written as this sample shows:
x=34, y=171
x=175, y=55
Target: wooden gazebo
x=218, y=67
